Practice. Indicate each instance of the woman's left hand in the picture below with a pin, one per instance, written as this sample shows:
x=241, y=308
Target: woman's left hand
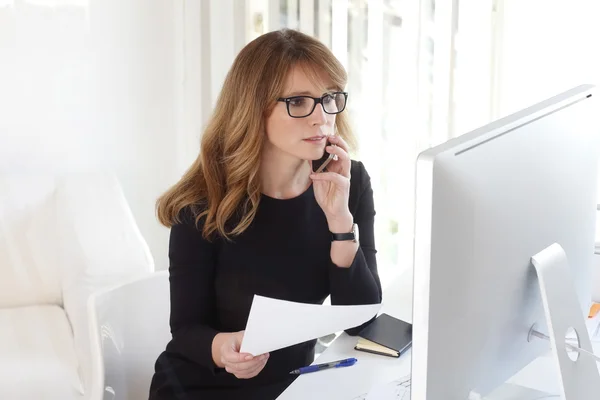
x=332, y=188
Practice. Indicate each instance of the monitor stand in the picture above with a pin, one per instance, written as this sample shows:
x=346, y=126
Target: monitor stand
x=578, y=380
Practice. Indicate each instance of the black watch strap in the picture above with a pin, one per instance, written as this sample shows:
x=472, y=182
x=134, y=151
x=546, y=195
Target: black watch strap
x=352, y=235
x=342, y=236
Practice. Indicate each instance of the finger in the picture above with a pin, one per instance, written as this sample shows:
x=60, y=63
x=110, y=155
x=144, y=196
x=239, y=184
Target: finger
x=256, y=371
x=248, y=373
x=338, y=151
x=337, y=140
x=341, y=162
x=247, y=365
x=233, y=357
x=337, y=179
x=242, y=367
x=252, y=373
x=236, y=342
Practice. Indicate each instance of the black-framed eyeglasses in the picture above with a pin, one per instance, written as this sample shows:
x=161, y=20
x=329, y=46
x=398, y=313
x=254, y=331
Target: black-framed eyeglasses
x=303, y=106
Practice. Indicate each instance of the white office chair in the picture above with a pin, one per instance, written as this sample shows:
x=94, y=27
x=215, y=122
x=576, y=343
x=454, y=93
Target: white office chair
x=63, y=236
x=130, y=322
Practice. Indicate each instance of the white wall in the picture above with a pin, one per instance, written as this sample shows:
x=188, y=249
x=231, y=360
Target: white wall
x=548, y=46
x=128, y=84
x=98, y=83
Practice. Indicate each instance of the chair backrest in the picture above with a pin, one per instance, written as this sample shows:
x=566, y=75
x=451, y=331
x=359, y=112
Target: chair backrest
x=131, y=324
x=29, y=266
x=61, y=232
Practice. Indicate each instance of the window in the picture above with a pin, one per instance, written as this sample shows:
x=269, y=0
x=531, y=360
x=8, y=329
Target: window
x=421, y=72
x=377, y=41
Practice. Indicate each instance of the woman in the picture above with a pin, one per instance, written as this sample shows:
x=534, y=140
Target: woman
x=250, y=217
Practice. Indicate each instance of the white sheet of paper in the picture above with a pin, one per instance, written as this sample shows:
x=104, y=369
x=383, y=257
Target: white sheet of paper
x=396, y=390
x=388, y=392
x=274, y=324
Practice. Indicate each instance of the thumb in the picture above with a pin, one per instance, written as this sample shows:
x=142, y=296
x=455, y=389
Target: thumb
x=238, y=337
x=236, y=342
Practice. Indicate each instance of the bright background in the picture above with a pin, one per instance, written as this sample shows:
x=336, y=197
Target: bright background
x=128, y=85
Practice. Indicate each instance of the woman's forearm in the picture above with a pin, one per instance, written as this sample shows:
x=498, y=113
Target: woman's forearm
x=343, y=253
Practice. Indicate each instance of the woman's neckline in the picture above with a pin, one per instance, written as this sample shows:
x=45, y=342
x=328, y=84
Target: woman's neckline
x=305, y=193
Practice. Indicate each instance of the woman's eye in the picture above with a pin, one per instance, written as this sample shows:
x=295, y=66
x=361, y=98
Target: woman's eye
x=300, y=102
x=328, y=98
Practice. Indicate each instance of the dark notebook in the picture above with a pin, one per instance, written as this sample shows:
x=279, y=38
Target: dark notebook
x=386, y=336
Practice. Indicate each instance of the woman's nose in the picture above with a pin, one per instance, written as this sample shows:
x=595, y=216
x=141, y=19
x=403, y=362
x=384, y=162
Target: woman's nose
x=318, y=115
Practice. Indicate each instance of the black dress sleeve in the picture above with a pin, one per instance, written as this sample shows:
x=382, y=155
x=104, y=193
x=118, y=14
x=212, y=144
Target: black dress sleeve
x=359, y=284
x=192, y=261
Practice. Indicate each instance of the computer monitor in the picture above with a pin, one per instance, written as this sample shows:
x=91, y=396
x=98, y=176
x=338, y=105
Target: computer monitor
x=486, y=203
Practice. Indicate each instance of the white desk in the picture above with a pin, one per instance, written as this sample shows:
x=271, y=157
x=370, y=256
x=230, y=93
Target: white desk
x=347, y=383
x=371, y=370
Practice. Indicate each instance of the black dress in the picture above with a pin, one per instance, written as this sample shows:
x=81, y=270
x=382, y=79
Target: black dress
x=284, y=254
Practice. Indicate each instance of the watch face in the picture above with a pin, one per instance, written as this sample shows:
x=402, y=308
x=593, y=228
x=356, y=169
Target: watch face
x=355, y=230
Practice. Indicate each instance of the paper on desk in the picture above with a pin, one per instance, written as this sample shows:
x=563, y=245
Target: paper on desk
x=389, y=392
x=396, y=390
x=275, y=324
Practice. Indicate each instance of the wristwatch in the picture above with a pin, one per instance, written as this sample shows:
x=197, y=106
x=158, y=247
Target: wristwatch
x=353, y=235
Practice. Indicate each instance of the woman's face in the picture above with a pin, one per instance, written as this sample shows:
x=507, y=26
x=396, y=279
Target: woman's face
x=300, y=138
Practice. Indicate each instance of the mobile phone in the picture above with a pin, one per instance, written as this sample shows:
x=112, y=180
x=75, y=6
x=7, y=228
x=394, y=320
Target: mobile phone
x=320, y=164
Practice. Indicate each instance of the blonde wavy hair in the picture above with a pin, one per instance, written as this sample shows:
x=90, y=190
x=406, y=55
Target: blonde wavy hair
x=223, y=184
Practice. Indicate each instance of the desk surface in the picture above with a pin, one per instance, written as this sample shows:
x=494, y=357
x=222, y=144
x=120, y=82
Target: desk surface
x=347, y=383
x=371, y=370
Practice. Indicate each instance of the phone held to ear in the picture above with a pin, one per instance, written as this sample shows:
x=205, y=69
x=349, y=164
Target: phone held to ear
x=319, y=165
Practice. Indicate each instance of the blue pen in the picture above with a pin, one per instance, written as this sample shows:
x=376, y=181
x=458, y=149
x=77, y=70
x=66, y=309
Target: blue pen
x=318, y=367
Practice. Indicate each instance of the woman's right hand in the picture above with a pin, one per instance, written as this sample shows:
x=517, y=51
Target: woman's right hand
x=242, y=365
